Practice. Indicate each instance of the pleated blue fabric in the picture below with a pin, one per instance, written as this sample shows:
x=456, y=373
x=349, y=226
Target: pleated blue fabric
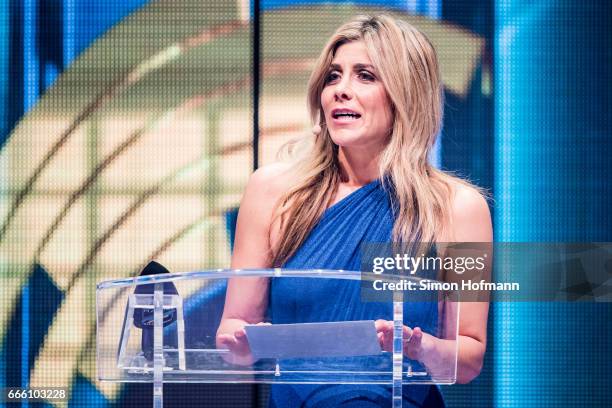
x=364, y=216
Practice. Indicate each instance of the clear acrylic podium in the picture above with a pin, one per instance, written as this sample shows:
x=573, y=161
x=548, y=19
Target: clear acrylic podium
x=163, y=328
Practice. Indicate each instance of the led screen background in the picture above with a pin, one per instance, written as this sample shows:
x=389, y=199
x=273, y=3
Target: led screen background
x=129, y=133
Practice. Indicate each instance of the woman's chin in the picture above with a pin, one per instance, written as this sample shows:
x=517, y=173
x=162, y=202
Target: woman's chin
x=358, y=144
x=347, y=140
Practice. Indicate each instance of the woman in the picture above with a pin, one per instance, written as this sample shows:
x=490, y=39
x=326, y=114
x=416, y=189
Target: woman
x=376, y=98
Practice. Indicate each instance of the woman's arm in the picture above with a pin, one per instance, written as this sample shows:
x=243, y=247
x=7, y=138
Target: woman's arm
x=246, y=299
x=471, y=223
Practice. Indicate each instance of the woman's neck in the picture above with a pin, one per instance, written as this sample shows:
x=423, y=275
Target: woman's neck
x=358, y=168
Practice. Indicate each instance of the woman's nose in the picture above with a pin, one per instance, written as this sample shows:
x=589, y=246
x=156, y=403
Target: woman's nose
x=343, y=90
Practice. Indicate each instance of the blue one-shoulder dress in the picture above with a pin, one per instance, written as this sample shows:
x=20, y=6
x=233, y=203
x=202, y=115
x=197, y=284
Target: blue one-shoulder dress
x=334, y=243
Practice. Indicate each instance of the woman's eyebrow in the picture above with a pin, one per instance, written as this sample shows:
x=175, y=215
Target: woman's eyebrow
x=365, y=66
x=356, y=67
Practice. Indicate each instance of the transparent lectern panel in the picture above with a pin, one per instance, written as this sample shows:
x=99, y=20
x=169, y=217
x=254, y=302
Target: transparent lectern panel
x=307, y=326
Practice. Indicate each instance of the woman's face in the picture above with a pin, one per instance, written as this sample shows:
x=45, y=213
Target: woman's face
x=356, y=106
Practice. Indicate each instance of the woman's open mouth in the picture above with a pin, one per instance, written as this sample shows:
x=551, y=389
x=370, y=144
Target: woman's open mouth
x=345, y=115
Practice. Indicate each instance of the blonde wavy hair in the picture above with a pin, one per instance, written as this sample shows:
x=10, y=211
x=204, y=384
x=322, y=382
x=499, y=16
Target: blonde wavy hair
x=408, y=68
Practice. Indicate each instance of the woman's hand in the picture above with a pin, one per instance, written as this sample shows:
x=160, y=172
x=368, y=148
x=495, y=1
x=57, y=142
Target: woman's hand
x=413, y=339
x=439, y=356
x=238, y=346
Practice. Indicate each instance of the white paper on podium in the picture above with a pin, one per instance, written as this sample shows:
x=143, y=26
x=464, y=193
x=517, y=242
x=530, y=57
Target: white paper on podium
x=300, y=340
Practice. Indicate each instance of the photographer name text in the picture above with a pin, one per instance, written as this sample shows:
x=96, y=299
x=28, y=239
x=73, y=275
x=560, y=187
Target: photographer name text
x=428, y=285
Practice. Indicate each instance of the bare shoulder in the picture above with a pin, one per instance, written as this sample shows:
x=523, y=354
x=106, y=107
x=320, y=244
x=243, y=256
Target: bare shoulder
x=467, y=200
x=470, y=215
x=271, y=180
x=252, y=244
x=265, y=187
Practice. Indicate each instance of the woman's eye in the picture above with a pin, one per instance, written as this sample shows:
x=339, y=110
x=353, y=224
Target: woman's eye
x=366, y=76
x=331, y=77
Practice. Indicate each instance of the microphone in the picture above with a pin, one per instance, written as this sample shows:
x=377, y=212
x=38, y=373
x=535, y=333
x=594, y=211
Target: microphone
x=144, y=318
